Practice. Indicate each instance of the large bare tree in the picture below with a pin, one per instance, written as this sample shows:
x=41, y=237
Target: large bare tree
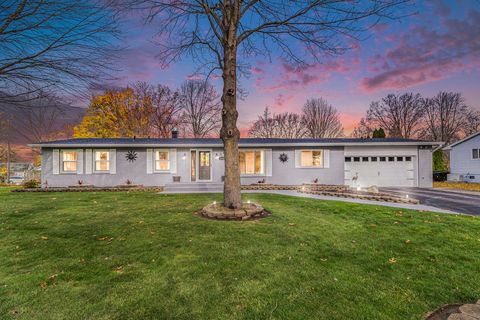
x=472, y=122
x=321, y=120
x=283, y=125
x=445, y=117
x=400, y=115
x=201, y=109
x=165, y=108
x=218, y=33
x=53, y=44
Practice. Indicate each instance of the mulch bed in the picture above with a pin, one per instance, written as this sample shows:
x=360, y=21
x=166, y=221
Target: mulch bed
x=90, y=189
x=467, y=311
x=444, y=312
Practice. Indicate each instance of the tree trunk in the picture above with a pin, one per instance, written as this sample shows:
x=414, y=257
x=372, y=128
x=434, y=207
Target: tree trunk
x=229, y=132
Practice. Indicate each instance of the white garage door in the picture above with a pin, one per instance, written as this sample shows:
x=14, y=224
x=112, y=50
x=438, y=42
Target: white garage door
x=381, y=171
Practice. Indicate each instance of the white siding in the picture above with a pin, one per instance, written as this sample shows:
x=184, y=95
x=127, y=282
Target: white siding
x=461, y=161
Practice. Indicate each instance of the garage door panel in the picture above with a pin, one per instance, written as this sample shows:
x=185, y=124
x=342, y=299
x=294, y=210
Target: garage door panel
x=380, y=173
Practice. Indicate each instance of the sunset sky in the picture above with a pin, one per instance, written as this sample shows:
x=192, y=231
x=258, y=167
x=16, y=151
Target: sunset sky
x=438, y=48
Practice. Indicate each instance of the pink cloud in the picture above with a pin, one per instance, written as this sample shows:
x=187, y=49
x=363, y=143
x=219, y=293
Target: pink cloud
x=292, y=77
x=424, y=55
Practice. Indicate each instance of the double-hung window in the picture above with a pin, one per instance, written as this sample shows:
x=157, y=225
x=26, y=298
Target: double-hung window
x=162, y=160
x=476, y=154
x=312, y=158
x=69, y=161
x=252, y=162
x=102, y=161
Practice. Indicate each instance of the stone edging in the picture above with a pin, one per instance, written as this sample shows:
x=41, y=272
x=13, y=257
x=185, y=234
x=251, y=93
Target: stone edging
x=373, y=197
x=248, y=212
x=456, y=312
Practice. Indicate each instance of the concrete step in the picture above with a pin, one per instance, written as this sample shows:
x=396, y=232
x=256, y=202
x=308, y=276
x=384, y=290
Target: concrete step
x=192, y=187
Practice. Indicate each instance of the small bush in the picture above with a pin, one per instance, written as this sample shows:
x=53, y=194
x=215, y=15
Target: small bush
x=30, y=184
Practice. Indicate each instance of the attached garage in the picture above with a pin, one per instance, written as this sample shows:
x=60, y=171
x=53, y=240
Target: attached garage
x=380, y=166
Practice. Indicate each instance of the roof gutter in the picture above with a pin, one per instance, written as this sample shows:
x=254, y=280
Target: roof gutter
x=213, y=145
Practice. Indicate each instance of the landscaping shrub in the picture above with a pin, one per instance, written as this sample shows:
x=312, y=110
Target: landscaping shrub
x=31, y=184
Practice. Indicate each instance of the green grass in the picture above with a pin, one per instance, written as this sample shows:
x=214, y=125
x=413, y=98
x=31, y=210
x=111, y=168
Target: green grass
x=146, y=256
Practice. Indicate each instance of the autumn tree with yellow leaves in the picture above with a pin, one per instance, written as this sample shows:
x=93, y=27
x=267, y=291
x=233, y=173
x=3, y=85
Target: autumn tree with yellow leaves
x=144, y=110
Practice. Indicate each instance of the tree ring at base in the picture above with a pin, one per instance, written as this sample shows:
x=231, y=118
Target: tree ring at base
x=249, y=211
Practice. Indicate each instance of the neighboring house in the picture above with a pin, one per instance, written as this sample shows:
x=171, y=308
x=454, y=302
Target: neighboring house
x=465, y=159
x=158, y=162
x=18, y=171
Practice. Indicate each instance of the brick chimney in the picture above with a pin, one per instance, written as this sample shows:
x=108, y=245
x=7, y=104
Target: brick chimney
x=174, y=133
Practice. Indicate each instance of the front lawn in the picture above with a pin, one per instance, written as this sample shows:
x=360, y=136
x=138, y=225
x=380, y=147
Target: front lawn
x=457, y=185
x=145, y=256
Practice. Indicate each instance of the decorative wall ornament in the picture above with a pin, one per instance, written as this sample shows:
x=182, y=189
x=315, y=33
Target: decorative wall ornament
x=131, y=155
x=283, y=158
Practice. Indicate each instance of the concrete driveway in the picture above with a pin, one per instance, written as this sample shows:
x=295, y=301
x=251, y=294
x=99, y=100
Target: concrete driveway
x=457, y=201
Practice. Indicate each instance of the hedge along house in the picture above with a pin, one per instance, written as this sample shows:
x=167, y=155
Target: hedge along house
x=161, y=162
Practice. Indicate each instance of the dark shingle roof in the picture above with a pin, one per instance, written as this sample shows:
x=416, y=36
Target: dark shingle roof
x=212, y=142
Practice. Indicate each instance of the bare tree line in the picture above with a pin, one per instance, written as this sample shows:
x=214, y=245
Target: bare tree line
x=318, y=119
x=145, y=110
x=445, y=117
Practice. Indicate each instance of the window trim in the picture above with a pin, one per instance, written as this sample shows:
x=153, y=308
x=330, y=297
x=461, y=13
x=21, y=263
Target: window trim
x=478, y=154
x=263, y=173
x=322, y=155
x=155, y=151
x=95, y=161
x=62, y=161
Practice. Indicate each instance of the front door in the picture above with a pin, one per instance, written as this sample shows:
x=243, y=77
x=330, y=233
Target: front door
x=204, y=166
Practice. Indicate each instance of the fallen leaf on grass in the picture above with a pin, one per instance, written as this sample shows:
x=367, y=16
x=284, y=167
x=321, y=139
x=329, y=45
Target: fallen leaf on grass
x=323, y=259
x=119, y=269
x=141, y=221
x=396, y=222
x=44, y=237
x=49, y=281
x=291, y=224
x=426, y=221
x=408, y=241
x=373, y=225
x=392, y=260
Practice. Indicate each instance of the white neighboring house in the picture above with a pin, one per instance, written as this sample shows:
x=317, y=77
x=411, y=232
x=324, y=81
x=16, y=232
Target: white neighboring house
x=465, y=159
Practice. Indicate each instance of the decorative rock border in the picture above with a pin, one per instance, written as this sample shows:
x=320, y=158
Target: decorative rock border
x=92, y=189
x=249, y=211
x=456, y=312
x=310, y=186
x=267, y=186
x=363, y=195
